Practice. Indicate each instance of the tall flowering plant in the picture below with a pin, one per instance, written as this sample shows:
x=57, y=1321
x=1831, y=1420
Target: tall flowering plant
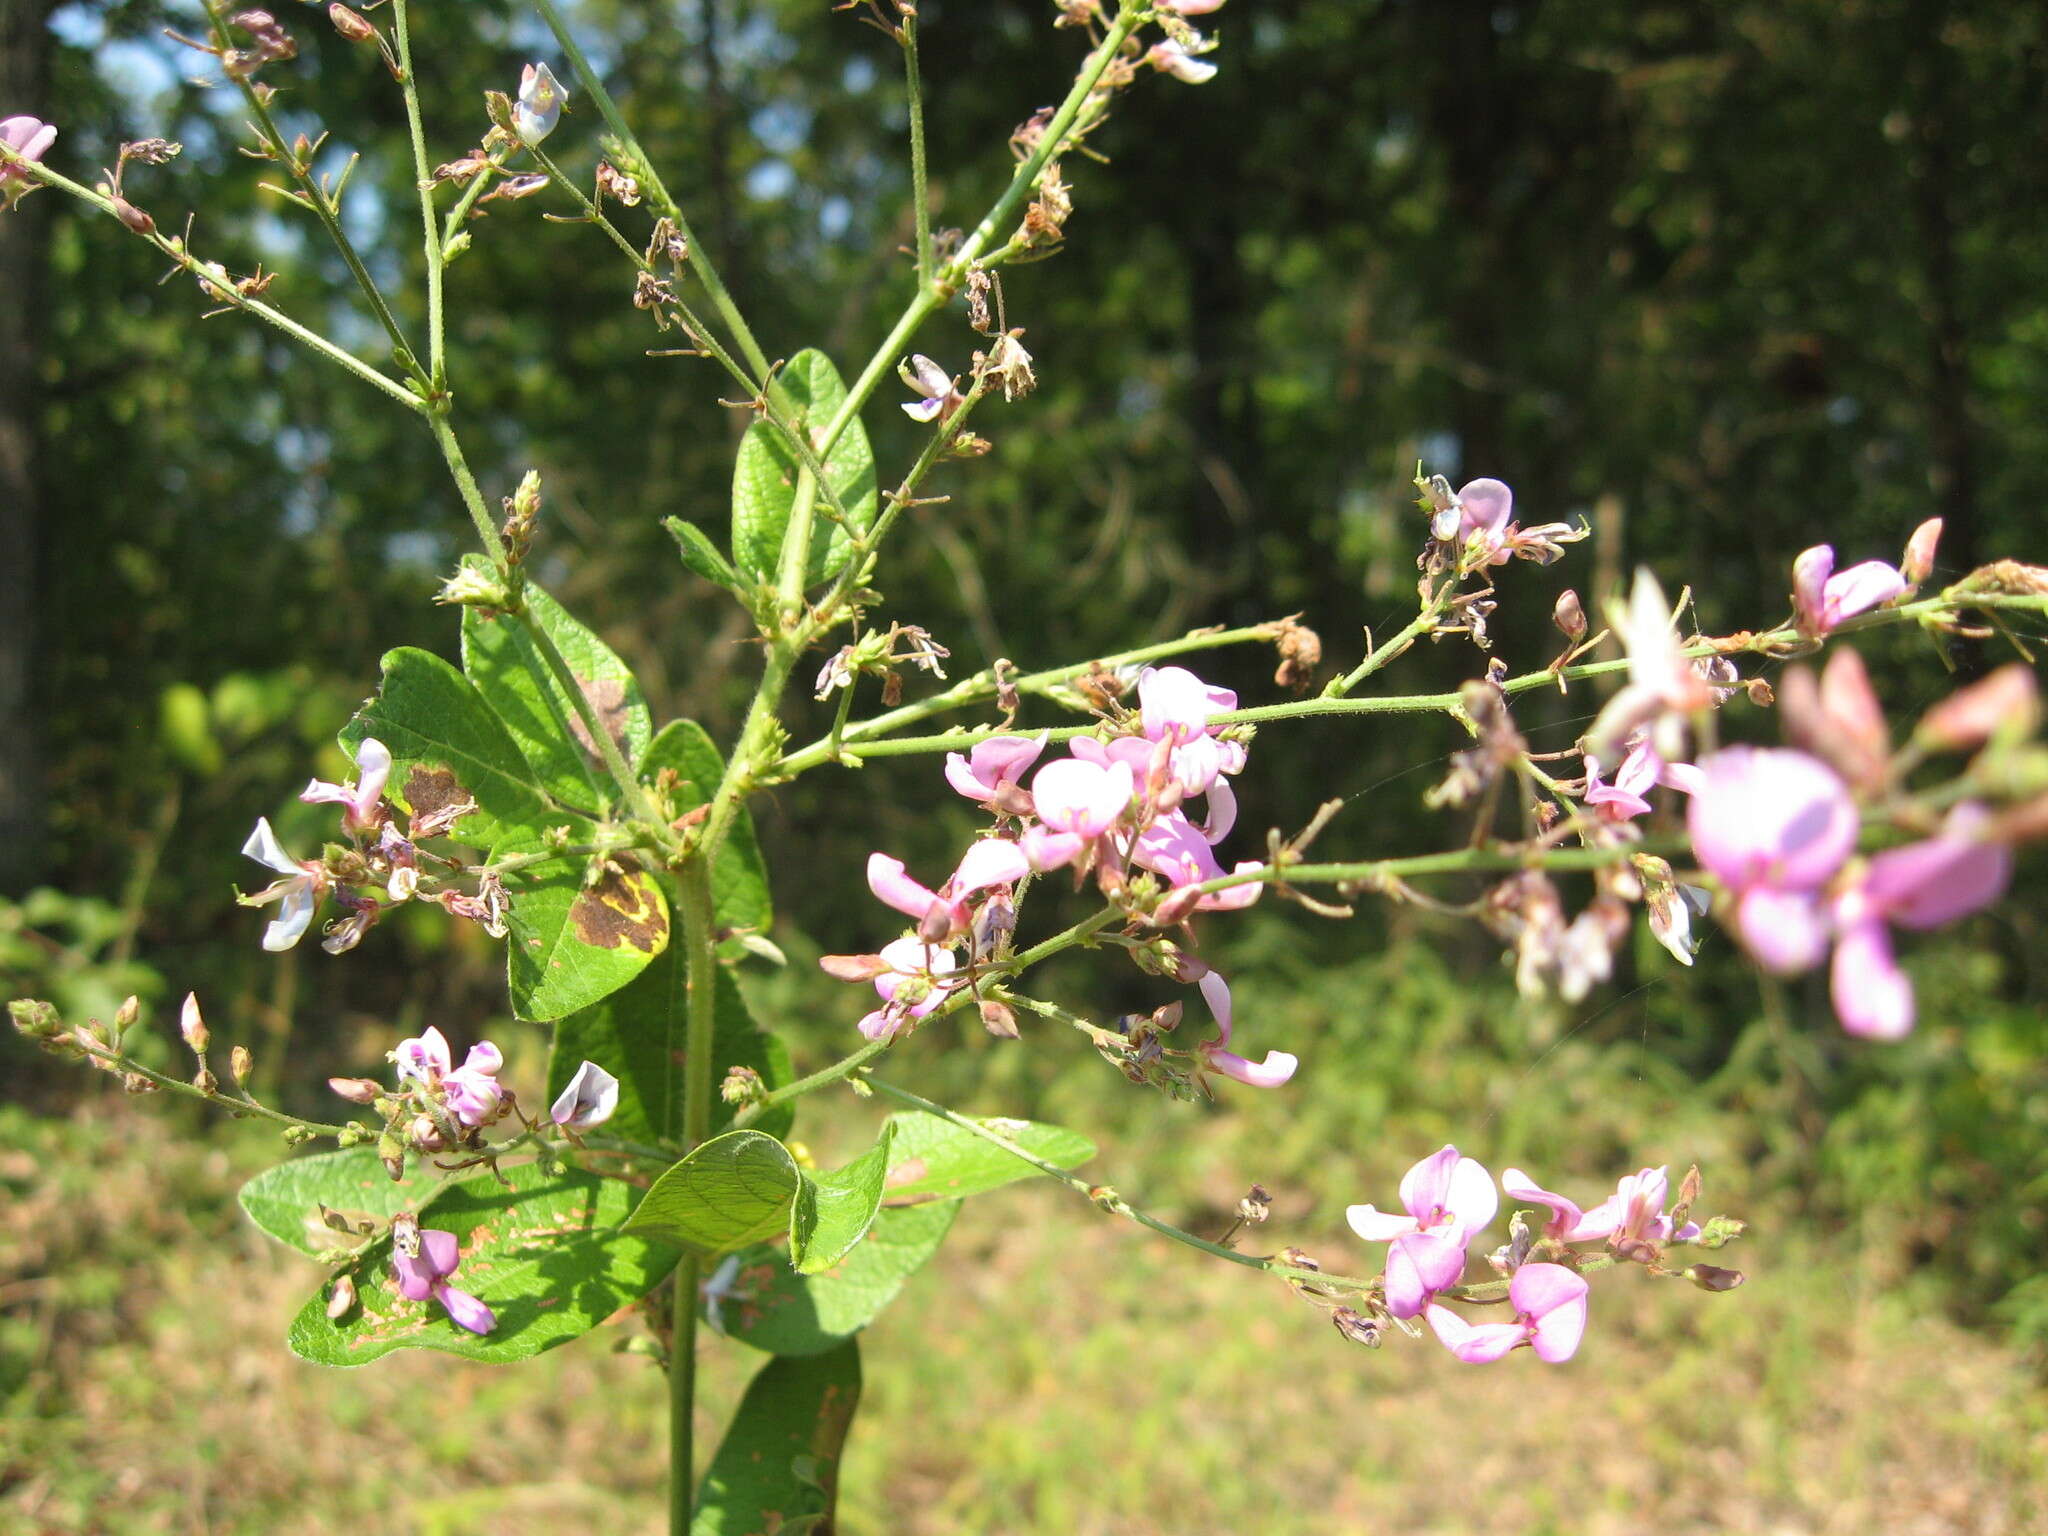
x=532, y=793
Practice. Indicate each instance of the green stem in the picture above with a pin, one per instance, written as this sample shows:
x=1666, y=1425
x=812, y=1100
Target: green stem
x=239, y=1103
x=824, y=1077
x=920, y=198
x=656, y=193
x=465, y=484
x=1106, y=1199
x=1422, y=624
x=693, y=890
x=423, y=179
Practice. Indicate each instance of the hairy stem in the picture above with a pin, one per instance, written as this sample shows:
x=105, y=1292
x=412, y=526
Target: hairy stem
x=423, y=181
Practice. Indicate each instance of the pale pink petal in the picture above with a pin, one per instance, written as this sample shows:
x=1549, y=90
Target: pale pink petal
x=294, y=916
x=1872, y=996
x=1472, y=1200
x=1234, y=898
x=1918, y=563
x=1044, y=849
x=1787, y=931
x=1216, y=993
x=1427, y=1184
x=1073, y=796
x=1377, y=1226
x=424, y=1057
x=1419, y=1265
x=1276, y=1069
x=1771, y=816
x=264, y=848
x=1857, y=590
x=992, y=861
x=1926, y=884
x=465, y=1310
x=1566, y=1214
x=1475, y=1345
x=1553, y=1299
x=1176, y=705
x=588, y=1099
x=1222, y=810
x=1488, y=505
x=886, y=878
x=1810, y=572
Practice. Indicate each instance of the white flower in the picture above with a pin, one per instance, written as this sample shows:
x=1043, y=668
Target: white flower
x=539, y=106
x=299, y=891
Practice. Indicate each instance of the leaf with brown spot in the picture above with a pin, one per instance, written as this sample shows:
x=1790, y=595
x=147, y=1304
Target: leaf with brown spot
x=546, y=1256
x=500, y=657
x=572, y=946
x=446, y=747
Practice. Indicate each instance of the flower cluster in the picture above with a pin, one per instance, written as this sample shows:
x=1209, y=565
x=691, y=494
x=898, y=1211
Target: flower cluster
x=1449, y=1199
x=1118, y=808
x=439, y=1107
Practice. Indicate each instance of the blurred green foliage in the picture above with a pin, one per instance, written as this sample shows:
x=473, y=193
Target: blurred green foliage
x=1727, y=279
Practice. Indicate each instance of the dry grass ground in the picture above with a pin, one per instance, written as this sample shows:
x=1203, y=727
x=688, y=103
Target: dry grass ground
x=1052, y=1371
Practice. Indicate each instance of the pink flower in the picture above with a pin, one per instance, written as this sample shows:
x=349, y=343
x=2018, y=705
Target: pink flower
x=1918, y=563
x=1823, y=598
x=1174, y=848
x=1420, y=1267
x=363, y=801
x=1446, y=1195
x=939, y=389
x=1774, y=826
x=1921, y=885
x=423, y=1272
x=1276, y=1069
x=1550, y=1316
x=298, y=893
x=1175, y=705
x=1171, y=58
x=472, y=1089
x=911, y=987
x=588, y=1099
x=1567, y=1223
x=31, y=139
x=992, y=766
x=1641, y=771
x=1077, y=801
x=1634, y=1214
x=423, y=1059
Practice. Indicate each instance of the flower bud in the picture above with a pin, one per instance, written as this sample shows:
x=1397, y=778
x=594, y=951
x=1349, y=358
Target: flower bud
x=1569, y=615
x=239, y=1064
x=1709, y=1278
x=471, y=587
x=342, y=1299
x=126, y=1015
x=191, y=1026
x=135, y=1082
x=1918, y=564
x=205, y=1082
x=425, y=1135
x=2006, y=703
x=1256, y=1206
x=392, y=1153
x=36, y=1019
x=349, y=24
x=742, y=1085
x=999, y=1021
x=136, y=220
x=357, y=1090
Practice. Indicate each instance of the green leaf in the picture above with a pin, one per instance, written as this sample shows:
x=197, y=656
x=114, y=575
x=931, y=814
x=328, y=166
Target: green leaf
x=572, y=944
x=775, y=1308
x=701, y=555
x=764, y=478
x=835, y=1210
x=739, y=878
x=285, y=1201
x=501, y=658
x=734, y=1190
x=937, y=1160
x=547, y=1256
x=637, y=1035
x=778, y=1467
x=447, y=747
